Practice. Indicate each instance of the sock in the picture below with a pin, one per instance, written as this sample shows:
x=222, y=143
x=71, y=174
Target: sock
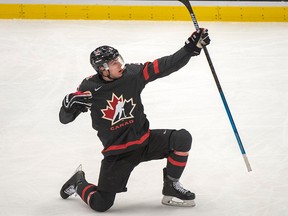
x=98, y=200
x=85, y=190
x=176, y=164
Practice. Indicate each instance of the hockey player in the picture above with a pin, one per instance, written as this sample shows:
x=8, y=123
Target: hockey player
x=113, y=97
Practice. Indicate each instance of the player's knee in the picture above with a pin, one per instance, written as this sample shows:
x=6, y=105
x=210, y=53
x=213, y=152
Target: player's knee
x=101, y=202
x=181, y=140
x=101, y=208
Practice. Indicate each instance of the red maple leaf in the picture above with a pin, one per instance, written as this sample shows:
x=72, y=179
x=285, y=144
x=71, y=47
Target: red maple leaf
x=109, y=112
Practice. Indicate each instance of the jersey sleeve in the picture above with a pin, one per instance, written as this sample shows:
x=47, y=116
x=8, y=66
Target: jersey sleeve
x=164, y=66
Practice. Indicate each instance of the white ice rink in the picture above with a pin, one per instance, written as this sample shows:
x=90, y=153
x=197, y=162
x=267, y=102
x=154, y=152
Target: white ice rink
x=41, y=61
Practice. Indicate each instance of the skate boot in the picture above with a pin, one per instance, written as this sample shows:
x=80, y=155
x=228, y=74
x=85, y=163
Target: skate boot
x=69, y=188
x=175, y=194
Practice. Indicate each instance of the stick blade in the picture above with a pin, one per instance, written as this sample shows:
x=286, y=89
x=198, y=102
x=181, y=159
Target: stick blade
x=187, y=5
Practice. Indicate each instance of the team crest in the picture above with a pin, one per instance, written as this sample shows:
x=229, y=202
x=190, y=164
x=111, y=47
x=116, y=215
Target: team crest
x=118, y=109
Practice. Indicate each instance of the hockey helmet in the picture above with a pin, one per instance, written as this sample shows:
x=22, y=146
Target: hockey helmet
x=102, y=55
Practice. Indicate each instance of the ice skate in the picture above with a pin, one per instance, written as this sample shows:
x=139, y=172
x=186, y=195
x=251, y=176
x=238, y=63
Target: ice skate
x=69, y=188
x=175, y=194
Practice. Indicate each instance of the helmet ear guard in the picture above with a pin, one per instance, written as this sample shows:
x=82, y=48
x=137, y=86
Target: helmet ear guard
x=105, y=65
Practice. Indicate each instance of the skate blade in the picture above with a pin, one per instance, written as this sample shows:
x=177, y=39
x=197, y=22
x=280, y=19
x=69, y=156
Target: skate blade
x=79, y=168
x=173, y=201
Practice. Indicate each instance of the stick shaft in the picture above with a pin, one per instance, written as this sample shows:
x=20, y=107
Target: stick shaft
x=193, y=17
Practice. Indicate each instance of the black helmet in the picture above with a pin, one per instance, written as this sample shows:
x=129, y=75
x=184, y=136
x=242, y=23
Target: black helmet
x=101, y=56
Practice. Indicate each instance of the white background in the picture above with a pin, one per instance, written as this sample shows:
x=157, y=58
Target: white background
x=41, y=61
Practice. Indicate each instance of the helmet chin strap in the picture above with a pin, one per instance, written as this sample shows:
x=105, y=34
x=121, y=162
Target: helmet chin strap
x=108, y=76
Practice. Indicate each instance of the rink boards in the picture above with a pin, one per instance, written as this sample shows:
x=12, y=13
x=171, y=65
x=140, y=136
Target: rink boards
x=241, y=13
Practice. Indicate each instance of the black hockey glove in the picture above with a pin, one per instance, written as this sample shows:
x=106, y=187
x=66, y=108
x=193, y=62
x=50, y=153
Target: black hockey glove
x=197, y=40
x=77, y=101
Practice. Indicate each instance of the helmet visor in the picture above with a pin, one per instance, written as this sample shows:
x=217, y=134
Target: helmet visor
x=115, y=62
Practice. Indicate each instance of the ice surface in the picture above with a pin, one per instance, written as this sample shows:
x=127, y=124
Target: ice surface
x=41, y=61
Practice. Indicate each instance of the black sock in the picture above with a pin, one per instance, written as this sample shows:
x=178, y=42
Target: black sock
x=176, y=165
x=85, y=190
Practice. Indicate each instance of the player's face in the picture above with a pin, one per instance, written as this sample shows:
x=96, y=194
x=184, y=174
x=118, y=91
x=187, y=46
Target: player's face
x=113, y=69
x=116, y=67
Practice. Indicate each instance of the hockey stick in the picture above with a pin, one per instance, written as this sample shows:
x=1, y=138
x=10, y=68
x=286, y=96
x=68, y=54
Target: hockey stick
x=193, y=17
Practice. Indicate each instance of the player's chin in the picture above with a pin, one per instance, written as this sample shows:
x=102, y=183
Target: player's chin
x=117, y=76
x=120, y=74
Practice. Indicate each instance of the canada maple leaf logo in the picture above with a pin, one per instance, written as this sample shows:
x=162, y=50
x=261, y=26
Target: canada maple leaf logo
x=118, y=109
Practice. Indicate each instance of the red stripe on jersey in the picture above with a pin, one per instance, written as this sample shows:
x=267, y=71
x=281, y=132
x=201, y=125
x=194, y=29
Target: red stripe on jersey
x=84, y=191
x=145, y=71
x=176, y=163
x=156, y=66
x=126, y=145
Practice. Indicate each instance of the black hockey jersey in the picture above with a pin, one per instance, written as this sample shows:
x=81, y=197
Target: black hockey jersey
x=117, y=111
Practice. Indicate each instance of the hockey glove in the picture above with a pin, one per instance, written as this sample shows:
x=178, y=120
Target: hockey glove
x=77, y=101
x=197, y=40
